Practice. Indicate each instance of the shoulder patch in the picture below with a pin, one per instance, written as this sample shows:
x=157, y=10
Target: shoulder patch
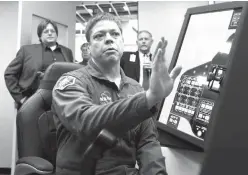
x=64, y=82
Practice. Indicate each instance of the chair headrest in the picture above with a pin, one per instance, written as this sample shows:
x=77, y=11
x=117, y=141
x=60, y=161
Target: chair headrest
x=54, y=72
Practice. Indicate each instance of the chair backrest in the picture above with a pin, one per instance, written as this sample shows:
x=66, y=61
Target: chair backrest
x=36, y=133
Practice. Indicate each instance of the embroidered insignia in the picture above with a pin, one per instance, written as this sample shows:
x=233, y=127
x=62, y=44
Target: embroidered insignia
x=105, y=97
x=64, y=82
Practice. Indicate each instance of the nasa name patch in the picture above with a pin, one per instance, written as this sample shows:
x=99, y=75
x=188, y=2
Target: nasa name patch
x=105, y=97
x=65, y=82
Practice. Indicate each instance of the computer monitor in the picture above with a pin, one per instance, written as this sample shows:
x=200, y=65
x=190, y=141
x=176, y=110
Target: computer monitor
x=228, y=133
x=202, y=49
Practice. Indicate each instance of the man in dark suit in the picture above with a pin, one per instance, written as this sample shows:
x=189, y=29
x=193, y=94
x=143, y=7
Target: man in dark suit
x=137, y=65
x=23, y=74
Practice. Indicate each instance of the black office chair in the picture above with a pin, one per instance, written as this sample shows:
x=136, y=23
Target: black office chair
x=36, y=133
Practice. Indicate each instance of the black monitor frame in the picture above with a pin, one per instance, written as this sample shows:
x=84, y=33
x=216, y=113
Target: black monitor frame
x=166, y=129
x=228, y=135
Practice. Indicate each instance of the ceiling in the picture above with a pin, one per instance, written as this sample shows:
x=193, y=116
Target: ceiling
x=126, y=10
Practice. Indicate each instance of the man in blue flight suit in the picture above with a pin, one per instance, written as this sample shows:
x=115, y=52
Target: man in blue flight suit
x=100, y=96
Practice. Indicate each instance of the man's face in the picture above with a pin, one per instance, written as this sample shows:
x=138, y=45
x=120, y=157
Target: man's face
x=144, y=42
x=85, y=52
x=106, y=42
x=49, y=35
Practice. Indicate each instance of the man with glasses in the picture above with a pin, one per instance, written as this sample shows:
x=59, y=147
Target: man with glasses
x=23, y=74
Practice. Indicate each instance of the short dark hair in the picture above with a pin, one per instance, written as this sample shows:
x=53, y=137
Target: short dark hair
x=144, y=31
x=101, y=17
x=84, y=45
x=44, y=24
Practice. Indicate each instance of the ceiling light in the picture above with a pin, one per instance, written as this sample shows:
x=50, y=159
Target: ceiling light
x=125, y=7
x=90, y=11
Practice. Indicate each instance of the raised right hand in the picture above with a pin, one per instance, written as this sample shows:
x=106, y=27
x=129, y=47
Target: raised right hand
x=161, y=82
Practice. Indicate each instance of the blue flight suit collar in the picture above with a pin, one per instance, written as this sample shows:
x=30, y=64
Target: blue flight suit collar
x=96, y=72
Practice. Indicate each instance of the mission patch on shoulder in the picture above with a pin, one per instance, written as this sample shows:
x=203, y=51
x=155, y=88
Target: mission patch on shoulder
x=64, y=82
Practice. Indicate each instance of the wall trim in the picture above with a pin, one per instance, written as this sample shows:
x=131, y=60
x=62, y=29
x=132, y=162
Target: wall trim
x=14, y=155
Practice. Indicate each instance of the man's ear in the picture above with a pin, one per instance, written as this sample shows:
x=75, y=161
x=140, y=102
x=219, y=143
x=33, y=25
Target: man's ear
x=152, y=42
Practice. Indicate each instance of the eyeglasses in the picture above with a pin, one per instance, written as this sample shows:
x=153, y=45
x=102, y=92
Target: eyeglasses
x=46, y=31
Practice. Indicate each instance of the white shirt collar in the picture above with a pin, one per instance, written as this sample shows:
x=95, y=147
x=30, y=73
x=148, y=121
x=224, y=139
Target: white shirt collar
x=53, y=47
x=142, y=54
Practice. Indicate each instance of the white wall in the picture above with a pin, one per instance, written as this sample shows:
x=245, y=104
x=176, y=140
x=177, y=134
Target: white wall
x=8, y=45
x=63, y=12
x=129, y=35
x=166, y=19
x=79, y=40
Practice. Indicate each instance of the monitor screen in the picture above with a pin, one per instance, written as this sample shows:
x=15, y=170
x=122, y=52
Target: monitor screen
x=203, y=55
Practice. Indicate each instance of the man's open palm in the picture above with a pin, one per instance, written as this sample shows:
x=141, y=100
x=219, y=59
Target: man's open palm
x=161, y=82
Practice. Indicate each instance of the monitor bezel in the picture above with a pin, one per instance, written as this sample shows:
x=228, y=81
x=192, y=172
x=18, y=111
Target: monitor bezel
x=229, y=130
x=192, y=11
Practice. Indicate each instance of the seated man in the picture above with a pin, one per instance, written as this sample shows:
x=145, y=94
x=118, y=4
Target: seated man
x=100, y=96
